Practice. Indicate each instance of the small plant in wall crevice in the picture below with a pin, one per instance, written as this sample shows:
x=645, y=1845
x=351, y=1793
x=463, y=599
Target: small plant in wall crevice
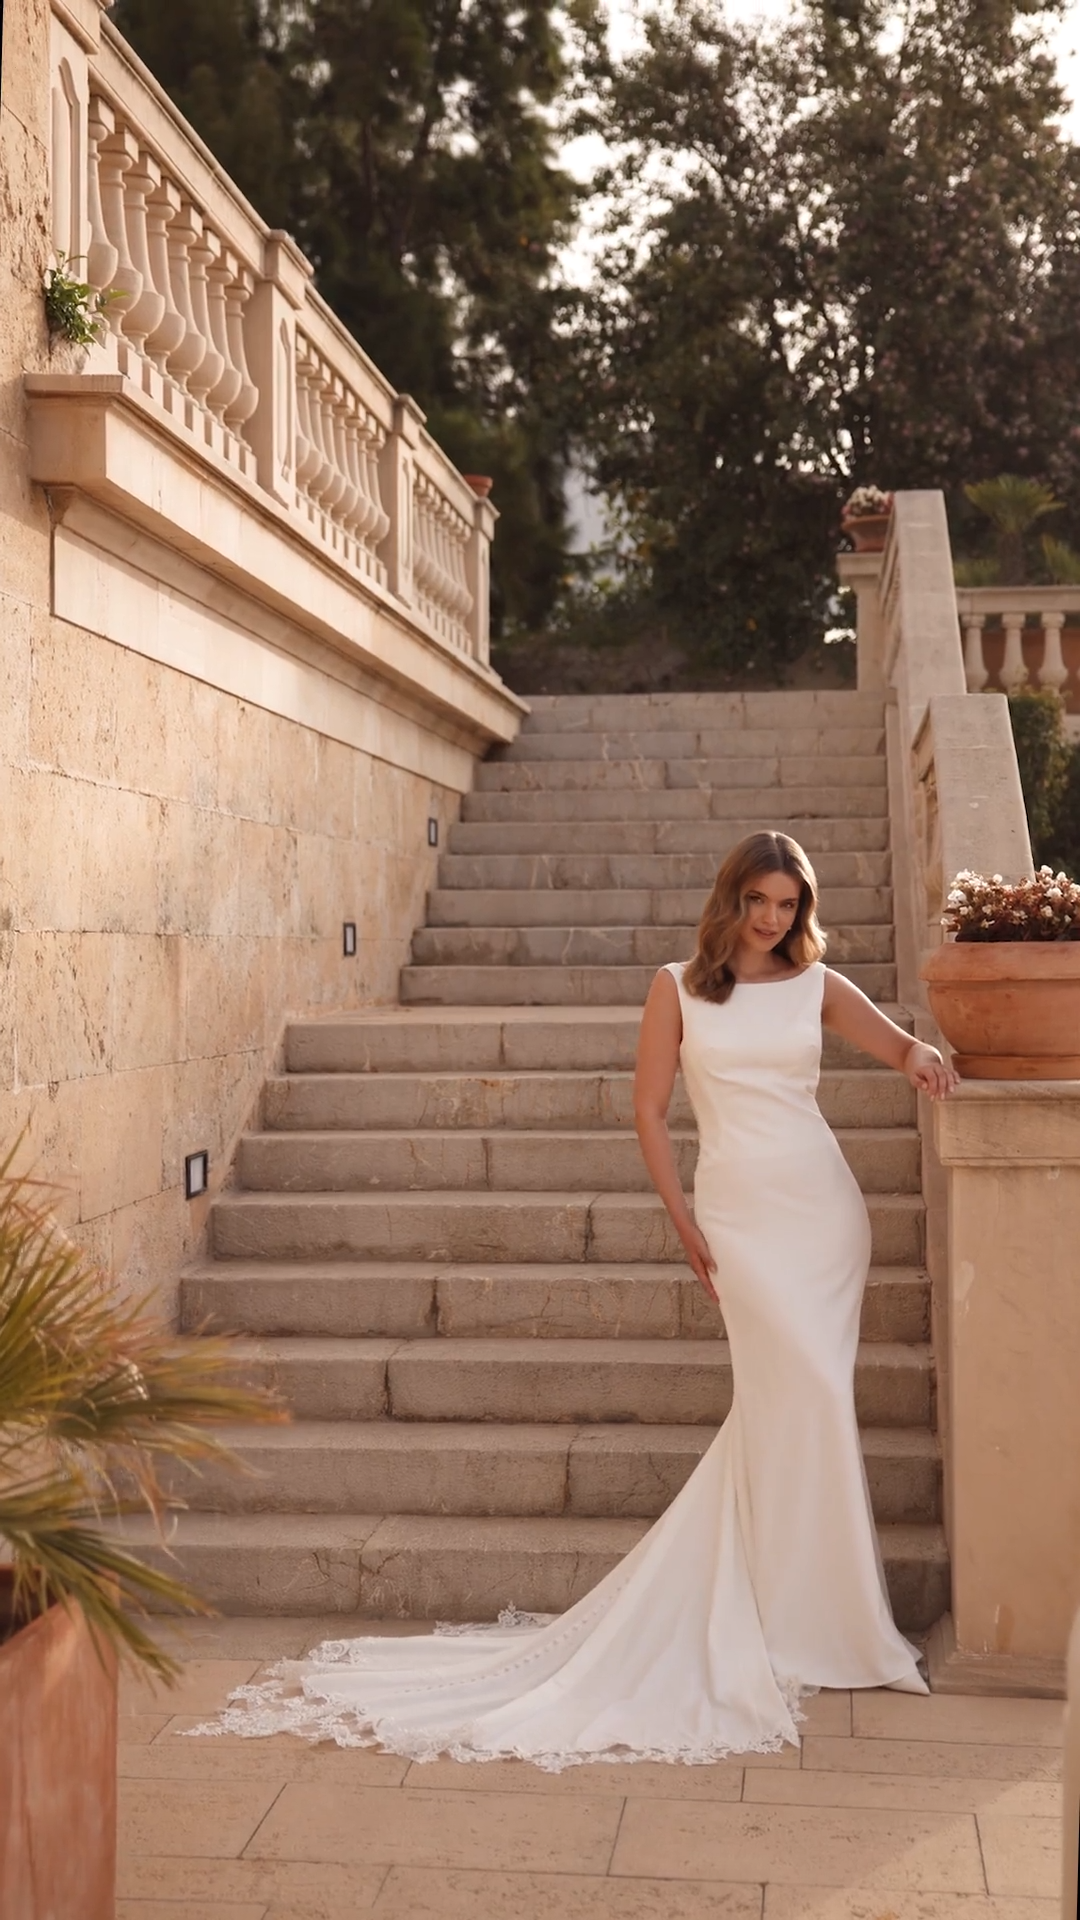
x=73, y=309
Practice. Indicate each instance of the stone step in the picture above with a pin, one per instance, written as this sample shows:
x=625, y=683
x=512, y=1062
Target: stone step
x=623, y=945
x=600, y=1472
x=656, y=1382
x=765, y=806
x=696, y=742
x=628, y=906
x=520, y=1039
x=604, y=1160
x=731, y=775
x=592, y=712
x=425, y=1300
x=843, y=875
x=301, y=1102
x=507, y=1228
x=580, y=986
x=441, y=1567
x=831, y=844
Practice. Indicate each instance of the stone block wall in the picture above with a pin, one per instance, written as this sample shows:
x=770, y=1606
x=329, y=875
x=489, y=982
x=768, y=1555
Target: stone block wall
x=180, y=841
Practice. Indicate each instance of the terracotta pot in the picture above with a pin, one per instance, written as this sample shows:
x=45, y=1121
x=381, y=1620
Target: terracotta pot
x=481, y=483
x=57, y=1770
x=1010, y=1009
x=867, y=531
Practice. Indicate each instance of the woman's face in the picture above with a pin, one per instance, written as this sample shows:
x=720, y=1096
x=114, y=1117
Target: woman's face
x=770, y=904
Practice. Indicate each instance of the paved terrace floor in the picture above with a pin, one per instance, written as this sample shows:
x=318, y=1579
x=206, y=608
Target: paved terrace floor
x=897, y=1808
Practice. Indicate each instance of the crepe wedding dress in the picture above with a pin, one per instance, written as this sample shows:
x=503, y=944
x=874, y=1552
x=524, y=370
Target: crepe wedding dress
x=762, y=1581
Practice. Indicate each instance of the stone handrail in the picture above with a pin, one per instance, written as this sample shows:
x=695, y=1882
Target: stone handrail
x=220, y=333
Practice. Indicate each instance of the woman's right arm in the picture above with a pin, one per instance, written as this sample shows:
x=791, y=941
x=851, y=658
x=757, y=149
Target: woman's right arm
x=654, y=1078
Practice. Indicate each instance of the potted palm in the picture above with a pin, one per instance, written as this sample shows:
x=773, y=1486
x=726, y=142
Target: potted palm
x=1005, y=991
x=864, y=518
x=94, y=1394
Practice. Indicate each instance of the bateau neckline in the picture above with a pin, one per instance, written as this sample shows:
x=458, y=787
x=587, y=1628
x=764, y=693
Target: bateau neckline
x=784, y=981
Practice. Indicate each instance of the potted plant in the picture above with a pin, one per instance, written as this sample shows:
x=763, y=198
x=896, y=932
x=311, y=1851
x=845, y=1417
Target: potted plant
x=864, y=518
x=1005, y=991
x=94, y=1394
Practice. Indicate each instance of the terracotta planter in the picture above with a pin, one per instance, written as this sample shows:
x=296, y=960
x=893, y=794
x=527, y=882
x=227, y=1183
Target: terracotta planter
x=1010, y=1009
x=867, y=531
x=57, y=1771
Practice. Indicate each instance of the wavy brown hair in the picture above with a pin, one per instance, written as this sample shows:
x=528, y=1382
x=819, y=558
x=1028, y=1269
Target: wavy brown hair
x=709, y=975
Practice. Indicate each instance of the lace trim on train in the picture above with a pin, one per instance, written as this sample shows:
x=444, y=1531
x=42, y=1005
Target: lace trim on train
x=257, y=1711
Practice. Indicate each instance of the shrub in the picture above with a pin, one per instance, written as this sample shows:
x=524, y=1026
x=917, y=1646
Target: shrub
x=1049, y=774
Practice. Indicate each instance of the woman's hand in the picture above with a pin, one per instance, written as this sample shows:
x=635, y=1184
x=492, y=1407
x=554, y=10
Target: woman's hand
x=928, y=1073
x=699, y=1257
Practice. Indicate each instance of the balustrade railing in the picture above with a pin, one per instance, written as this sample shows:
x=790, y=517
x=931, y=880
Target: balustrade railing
x=221, y=335
x=1017, y=637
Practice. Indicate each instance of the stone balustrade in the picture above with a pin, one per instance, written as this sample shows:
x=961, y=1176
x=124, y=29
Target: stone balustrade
x=1017, y=637
x=218, y=330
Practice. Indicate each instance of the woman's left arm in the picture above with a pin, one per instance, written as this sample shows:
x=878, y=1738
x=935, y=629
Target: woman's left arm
x=849, y=1013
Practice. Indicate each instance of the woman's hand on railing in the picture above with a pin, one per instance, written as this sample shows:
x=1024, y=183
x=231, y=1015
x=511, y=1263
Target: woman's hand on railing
x=928, y=1072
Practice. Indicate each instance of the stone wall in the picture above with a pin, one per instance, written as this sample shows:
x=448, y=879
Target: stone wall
x=197, y=790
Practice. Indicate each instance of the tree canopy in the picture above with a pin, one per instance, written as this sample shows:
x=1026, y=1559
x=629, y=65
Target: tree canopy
x=838, y=250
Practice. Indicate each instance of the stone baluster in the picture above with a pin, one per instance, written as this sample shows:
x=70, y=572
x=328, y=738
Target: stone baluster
x=1053, y=671
x=1013, y=670
x=185, y=359
x=64, y=163
x=219, y=273
x=162, y=208
x=371, y=443
x=202, y=252
x=117, y=154
x=307, y=457
x=102, y=257
x=337, y=486
x=142, y=315
x=398, y=476
x=364, y=516
x=350, y=506
x=321, y=483
x=974, y=665
x=478, y=569
x=237, y=295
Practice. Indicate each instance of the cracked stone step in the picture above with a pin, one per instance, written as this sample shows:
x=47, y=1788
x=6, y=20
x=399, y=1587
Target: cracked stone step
x=566, y=907
x=592, y=712
x=694, y=742
x=600, y=1472
x=574, y=1301
x=295, y=1102
x=764, y=805
x=841, y=876
x=828, y=842
x=883, y=1160
x=443, y=1567
x=462, y=1038
x=731, y=775
x=656, y=1382
x=502, y=1227
x=582, y=985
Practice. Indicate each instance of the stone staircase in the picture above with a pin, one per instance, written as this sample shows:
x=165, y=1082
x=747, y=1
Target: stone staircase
x=442, y=1248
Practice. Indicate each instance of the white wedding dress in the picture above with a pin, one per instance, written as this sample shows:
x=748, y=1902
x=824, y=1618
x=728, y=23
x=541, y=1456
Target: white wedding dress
x=762, y=1581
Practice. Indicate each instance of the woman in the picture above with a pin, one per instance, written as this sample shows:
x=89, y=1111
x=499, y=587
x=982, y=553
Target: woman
x=762, y=1582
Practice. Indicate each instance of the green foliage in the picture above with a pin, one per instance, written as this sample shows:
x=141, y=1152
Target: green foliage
x=1061, y=561
x=1049, y=776
x=1012, y=505
x=94, y=1395
x=842, y=250
x=409, y=147
x=73, y=309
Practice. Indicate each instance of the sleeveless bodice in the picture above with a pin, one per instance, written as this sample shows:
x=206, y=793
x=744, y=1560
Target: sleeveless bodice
x=751, y=1066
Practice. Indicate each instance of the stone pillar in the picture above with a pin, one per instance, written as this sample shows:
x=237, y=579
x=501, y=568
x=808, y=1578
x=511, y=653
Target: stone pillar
x=270, y=345
x=1012, y=1154
x=396, y=483
x=862, y=573
x=478, y=567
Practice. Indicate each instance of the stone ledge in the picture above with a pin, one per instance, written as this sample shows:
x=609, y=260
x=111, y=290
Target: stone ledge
x=1025, y=1676
x=1009, y=1124
x=98, y=436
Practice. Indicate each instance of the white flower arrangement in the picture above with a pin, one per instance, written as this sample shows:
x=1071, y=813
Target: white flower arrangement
x=867, y=501
x=1046, y=907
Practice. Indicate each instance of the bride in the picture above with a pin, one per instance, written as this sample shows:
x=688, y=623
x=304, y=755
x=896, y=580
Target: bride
x=763, y=1580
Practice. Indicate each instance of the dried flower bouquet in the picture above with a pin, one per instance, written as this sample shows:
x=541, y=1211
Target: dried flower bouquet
x=1045, y=907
